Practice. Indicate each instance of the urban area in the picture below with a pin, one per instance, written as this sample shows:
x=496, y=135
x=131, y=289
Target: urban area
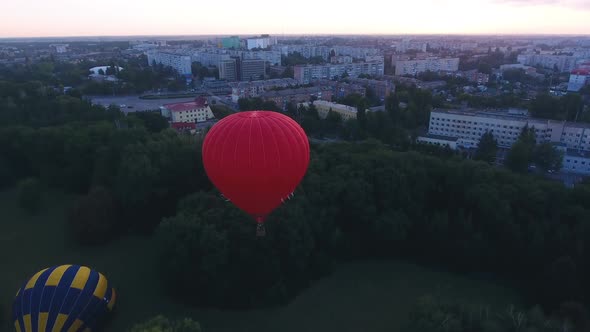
x=465, y=160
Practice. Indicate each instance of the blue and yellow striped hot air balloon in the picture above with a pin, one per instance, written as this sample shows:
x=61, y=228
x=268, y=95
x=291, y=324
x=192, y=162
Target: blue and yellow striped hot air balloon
x=65, y=298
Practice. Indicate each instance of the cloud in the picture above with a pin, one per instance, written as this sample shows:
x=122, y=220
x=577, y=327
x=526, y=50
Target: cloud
x=578, y=4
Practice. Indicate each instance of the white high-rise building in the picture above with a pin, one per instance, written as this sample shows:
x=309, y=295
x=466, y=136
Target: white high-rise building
x=261, y=42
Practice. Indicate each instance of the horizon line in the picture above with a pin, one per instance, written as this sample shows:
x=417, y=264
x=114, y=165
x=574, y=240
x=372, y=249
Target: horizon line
x=586, y=35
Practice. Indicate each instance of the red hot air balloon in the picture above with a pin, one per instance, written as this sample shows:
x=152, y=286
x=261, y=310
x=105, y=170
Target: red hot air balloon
x=256, y=159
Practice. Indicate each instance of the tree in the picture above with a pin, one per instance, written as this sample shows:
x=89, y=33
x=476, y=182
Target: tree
x=484, y=68
x=154, y=122
x=521, y=153
x=163, y=324
x=547, y=157
x=487, y=148
x=94, y=218
x=519, y=157
x=29, y=195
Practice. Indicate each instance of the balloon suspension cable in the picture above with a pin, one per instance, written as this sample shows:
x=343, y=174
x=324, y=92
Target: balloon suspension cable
x=260, y=229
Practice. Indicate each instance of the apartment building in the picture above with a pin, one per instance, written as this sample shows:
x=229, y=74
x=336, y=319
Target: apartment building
x=256, y=88
x=180, y=63
x=188, y=112
x=300, y=95
x=414, y=67
x=308, y=73
x=465, y=128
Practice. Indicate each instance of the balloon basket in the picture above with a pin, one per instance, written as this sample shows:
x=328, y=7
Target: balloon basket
x=260, y=230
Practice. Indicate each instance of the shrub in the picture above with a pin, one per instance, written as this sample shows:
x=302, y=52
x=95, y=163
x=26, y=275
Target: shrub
x=93, y=220
x=29, y=195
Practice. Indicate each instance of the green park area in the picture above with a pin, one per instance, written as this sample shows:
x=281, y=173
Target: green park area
x=367, y=296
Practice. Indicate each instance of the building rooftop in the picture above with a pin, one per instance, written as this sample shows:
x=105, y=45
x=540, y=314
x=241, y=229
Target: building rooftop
x=191, y=105
x=288, y=92
x=335, y=105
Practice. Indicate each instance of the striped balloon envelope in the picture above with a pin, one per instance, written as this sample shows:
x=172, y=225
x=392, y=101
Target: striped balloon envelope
x=68, y=298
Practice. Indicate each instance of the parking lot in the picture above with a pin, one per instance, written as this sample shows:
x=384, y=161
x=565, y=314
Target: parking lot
x=133, y=103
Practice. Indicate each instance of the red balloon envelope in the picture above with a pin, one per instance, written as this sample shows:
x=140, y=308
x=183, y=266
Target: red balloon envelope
x=256, y=159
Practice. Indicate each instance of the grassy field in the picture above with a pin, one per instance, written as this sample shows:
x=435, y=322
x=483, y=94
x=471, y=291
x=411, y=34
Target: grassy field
x=364, y=296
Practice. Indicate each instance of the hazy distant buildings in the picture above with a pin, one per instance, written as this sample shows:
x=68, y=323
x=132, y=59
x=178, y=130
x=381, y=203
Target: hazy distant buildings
x=260, y=42
x=341, y=59
x=208, y=59
x=271, y=57
x=180, y=63
x=310, y=51
x=414, y=67
x=60, y=48
x=562, y=63
x=236, y=69
x=308, y=73
x=232, y=42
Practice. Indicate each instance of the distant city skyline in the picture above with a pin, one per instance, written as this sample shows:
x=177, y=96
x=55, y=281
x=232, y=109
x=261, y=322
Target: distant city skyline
x=68, y=18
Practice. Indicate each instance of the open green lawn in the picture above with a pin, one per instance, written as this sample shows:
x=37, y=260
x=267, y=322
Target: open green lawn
x=366, y=296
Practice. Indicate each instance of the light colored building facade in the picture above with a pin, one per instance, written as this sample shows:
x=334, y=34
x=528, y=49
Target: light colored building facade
x=261, y=42
x=345, y=111
x=576, y=162
x=180, y=63
x=309, y=51
x=272, y=57
x=578, y=78
x=188, y=112
x=209, y=59
x=506, y=126
x=465, y=128
x=308, y=73
x=414, y=67
x=563, y=63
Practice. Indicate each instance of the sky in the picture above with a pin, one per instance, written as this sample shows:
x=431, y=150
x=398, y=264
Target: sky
x=44, y=18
